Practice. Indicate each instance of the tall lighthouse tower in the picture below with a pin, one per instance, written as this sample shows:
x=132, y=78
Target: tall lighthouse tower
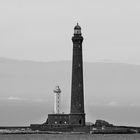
x=77, y=114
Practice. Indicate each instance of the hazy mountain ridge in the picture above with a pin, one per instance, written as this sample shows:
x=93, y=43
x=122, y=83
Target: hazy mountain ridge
x=110, y=88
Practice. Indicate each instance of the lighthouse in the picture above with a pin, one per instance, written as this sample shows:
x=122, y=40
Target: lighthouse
x=77, y=114
x=75, y=120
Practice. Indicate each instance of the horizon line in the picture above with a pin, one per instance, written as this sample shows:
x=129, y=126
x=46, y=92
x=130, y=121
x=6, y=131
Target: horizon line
x=52, y=61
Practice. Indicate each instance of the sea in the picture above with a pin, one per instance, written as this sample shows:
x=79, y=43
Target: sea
x=70, y=137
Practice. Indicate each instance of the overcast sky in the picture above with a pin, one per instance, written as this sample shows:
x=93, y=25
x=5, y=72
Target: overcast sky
x=42, y=29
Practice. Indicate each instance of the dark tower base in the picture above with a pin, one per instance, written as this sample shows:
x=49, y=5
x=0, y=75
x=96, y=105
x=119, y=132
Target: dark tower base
x=78, y=119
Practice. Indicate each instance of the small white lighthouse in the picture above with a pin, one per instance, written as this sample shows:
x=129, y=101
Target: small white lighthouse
x=57, y=100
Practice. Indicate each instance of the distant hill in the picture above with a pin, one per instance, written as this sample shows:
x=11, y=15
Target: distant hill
x=112, y=91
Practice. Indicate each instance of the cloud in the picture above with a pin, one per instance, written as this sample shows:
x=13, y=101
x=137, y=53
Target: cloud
x=37, y=100
x=113, y=103
x=24, y=99
x=14, y=98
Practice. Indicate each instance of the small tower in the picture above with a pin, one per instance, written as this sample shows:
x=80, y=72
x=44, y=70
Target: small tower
x=57, y=100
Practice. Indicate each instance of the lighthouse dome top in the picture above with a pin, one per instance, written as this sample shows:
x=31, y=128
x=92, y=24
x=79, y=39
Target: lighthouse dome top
x=57, y=90
x=77, y=29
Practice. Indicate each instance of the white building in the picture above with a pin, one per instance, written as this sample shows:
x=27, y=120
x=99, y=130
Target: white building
x=57, y=100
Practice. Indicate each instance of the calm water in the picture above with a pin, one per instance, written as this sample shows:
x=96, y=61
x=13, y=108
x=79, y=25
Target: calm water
x=70, y=137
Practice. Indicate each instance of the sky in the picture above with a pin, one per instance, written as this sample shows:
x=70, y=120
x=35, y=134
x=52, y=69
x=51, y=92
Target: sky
x=41, y=30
